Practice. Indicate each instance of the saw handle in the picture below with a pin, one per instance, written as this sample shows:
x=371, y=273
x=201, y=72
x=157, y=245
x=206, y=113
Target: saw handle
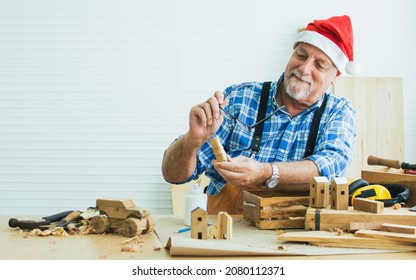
x=373, y=160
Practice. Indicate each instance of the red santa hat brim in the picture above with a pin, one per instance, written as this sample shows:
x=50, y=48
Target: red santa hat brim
x=334, y=37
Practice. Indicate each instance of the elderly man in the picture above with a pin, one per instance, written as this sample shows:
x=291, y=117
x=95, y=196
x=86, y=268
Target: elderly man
x=278, y=134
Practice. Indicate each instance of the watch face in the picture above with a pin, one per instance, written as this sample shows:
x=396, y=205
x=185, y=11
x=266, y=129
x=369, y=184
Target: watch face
x=272, y=183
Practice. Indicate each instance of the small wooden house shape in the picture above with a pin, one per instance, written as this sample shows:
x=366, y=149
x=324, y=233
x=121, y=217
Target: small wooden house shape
x=199, y=224
x=319, y=192
x=224, y=227
x=339, y=193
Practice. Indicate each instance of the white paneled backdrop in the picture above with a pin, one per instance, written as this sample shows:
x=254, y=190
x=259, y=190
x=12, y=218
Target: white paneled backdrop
x=93, y=91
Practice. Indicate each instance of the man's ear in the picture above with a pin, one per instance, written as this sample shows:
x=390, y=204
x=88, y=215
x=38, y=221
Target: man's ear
x=336, y=77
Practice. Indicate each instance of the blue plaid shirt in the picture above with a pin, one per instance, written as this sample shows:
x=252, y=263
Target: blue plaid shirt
x=284, y=138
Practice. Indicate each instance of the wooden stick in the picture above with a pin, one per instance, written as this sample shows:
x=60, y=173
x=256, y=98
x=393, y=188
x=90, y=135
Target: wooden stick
x=218, y=149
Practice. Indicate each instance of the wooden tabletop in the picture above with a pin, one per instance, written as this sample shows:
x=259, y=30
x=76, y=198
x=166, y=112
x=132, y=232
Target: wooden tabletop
x=16, y=245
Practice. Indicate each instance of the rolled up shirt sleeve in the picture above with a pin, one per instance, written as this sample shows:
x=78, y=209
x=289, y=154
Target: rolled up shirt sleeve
x=334, y=149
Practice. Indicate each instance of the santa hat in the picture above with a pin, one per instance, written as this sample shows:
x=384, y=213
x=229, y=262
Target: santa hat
x=335, y=38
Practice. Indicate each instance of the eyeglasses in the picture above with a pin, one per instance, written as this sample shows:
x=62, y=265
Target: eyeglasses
x=234, y=119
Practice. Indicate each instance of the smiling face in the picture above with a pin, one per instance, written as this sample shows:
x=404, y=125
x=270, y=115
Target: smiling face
x=309, y=73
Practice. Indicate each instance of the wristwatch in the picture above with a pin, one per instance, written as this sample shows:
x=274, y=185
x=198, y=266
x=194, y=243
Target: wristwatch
x=273, y=181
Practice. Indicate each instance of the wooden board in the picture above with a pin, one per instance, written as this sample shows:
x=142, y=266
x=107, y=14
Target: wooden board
x=375, y=100
x=328, y=219
x=384, y=235
x=346, y=240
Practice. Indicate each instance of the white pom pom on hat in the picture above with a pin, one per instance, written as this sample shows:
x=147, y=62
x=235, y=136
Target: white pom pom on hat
x=335, y=38
x=353, y=68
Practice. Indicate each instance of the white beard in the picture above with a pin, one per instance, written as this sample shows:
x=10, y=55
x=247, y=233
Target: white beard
x=296, y=89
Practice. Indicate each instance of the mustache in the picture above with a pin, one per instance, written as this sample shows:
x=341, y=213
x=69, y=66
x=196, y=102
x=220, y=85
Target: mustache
x=298, y=75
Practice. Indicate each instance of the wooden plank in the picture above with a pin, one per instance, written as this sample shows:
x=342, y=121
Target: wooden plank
x=326, y=219
x=283, y=212
x=398, y=228
x=345, y=240
x=354, y=226
x=377, y=132
x=294, y=223
x=393, y=236
x=274, y=198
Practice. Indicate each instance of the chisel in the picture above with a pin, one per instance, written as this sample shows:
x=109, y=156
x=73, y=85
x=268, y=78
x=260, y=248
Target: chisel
x=73, y=216
x=409, y=168
x=31, y=224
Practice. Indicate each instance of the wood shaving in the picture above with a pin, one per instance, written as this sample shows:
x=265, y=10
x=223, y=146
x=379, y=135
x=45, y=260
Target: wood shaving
x=129, y=248
x=59, y=231
x=396, y=206
x=134, y=238
x=280, y=232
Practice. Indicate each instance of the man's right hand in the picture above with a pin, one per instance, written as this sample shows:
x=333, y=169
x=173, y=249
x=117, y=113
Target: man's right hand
x=205, y=119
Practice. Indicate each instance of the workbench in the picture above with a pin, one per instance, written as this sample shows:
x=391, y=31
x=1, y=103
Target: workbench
x=16, y=246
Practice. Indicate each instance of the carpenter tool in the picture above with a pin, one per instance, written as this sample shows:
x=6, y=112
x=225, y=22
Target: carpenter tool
x=32, y=224
x=73, y=216
x=407, y=167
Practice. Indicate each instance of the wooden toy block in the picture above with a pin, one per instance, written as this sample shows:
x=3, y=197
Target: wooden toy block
x=199, y=224
x=319, y=192
x=339, y=193
x=366, y=205
x=225, y=226
x=218, y=149
x=213, y=232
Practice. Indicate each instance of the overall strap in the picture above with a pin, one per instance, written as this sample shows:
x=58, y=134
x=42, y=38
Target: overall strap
x=258, y=130
x=310, y=146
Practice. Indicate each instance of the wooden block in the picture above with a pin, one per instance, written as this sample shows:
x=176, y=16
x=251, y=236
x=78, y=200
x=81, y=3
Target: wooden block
x=398, y=228
x=339, y=193
x=328, y=219
x=100, y=224
x=366, y=205
x=401, y=237
x=319, y=192
x=218, y=149
x=213, y=232
x=199, y=224
x=134, y=226
x=225, y=226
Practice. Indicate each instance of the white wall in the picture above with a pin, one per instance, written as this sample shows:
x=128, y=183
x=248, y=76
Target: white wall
x=93, y=91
